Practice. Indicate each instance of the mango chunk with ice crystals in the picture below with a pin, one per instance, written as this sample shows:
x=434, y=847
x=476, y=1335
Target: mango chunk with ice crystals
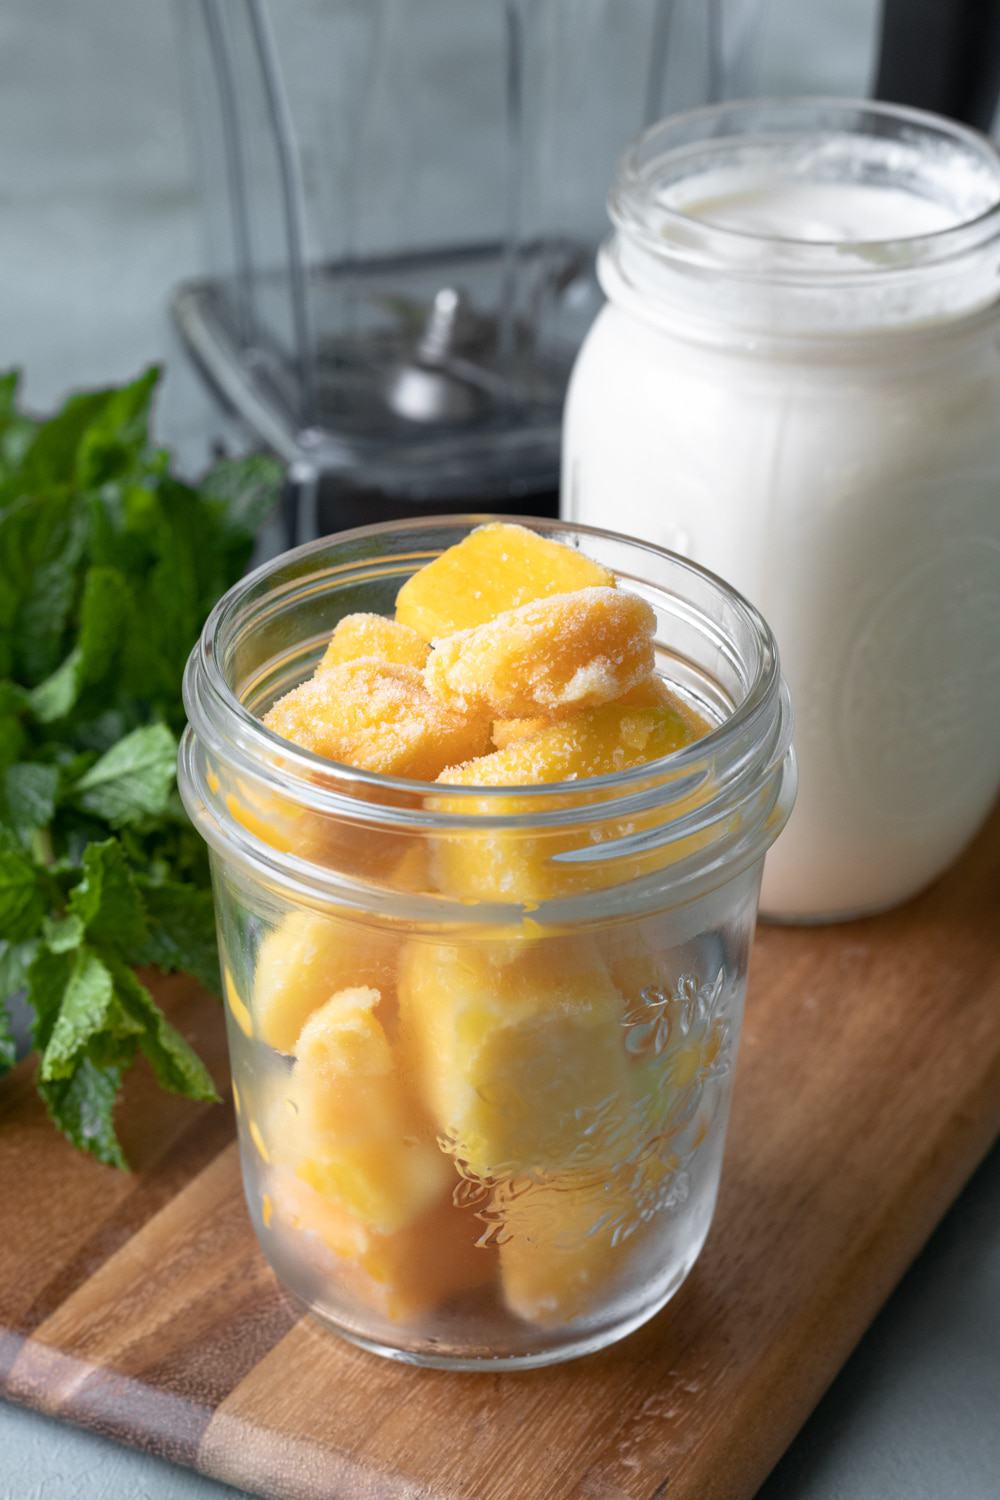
x=379, y=717
x=652, y=692
x=520, y=865
x=568, y=651
x=302, y=962
x=361, y=1140
x=595, y=742
x=518, y=1055
x=376, y=637
x=402, y=1276
x=495, y=568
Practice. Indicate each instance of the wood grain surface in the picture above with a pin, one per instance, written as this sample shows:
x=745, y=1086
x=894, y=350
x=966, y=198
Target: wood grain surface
x=868, y=1090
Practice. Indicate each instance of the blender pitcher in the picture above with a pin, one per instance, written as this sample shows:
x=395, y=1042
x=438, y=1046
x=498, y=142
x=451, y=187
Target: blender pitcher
x=402, y=204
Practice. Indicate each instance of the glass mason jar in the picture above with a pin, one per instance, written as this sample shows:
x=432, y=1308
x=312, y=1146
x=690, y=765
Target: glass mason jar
x=796, y=382
x=501, y=1145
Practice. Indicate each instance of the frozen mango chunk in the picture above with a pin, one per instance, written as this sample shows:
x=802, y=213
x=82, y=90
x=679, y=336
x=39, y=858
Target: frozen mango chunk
x=566, y=1240
x=518, y=1055
x=277, y=821
x=551, y=656
x=402, y=1276
x=362, y=1141
x=379, y=717
x=305, y=960
x=496, y=567
x=595, y=742
x=239, y=1009
x=650, y=693
x=376, y=637
x=518, y=865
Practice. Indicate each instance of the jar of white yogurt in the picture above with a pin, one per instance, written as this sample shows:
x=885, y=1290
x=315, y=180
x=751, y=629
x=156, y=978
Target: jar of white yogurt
x=796, y=382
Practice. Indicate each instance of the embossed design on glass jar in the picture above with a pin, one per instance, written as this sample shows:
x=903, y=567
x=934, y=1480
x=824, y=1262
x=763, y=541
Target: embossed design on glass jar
x=634, y=1150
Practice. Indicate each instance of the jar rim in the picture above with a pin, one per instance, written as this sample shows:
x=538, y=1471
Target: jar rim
x=694, y=136
x=219, y=718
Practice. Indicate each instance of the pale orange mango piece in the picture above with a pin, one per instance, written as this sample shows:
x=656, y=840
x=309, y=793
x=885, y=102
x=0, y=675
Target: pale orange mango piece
x=276, y=821
x=239, y=1010
x=496, y=567
x=650, y=693
x=566, y=1240
x=518, y=865
x=377, y=717
x=594, y=742
x=305, y=960
x=402, y=1276
x=551, y=656
x=376, y=637
x=518, y=1055
x=412, y=871
x=363, y=1144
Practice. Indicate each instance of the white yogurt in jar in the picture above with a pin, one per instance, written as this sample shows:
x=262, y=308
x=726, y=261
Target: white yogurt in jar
x=787, y=208
x=797, y=383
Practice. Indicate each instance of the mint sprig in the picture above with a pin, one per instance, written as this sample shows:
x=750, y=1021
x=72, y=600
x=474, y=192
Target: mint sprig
x=108, y=567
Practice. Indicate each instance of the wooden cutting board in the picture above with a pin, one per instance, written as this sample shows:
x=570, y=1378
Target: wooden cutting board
x=867, y=1092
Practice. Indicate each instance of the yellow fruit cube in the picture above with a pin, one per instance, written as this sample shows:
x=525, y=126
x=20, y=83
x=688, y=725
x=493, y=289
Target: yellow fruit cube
x=376, y=637
x=516, y=865
x=650, y=693
x=518, y=1056
x=305, y=960
x=496, y=567
x=566, y=1240
x=378, y=717
x=362, y=1142
x=595, y=742
x=276, y=821
x=403, y=1276
x=551, y=656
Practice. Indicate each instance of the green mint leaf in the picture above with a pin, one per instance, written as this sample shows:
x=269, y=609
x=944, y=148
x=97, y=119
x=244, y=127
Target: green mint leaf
x=12, y=738
x=16, y=430
x=28, y=796
x=84, y=1012
x=176, y=1065
x=181, y=932
x=42, y=537
x=15, y=961
x=53, y=698
x=62, y=934
x=133, y=780
x=95, y=437
x=104, y=612
x=107, y=901
x=112, y=443
x=82, y=1106
x=48, y=975
x=22, y=894
x=13, y=699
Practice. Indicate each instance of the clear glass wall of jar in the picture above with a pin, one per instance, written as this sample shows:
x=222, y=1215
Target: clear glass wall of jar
x=511, y=1156
x=796, y=382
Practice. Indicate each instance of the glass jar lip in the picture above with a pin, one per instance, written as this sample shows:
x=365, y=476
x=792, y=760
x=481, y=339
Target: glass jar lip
x=719, y=246
x=219, y=718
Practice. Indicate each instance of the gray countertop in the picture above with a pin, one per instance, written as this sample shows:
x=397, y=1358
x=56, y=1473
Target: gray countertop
x=97, y=221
